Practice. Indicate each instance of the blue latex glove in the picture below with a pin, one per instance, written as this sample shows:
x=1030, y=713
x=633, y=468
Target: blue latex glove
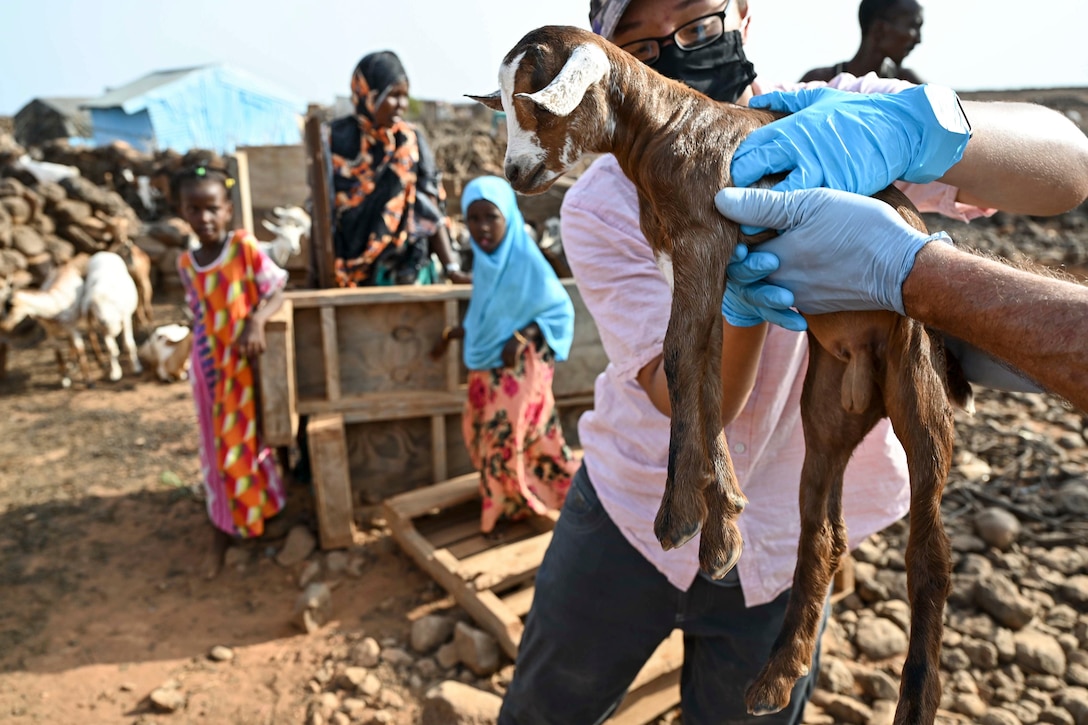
x=837, y=251
x=855, y=142
x=749, y=300
x=840, y=251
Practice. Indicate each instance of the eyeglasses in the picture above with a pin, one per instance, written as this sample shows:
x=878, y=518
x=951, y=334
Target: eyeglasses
x=697, y=34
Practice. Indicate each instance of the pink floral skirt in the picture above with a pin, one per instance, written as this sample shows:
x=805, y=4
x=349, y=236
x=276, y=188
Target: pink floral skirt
x=513, y=435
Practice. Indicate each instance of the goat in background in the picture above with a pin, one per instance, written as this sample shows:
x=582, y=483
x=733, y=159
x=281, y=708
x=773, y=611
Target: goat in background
x=108, y=302
x=567, y=92
x=56, y=306
x=291, y=223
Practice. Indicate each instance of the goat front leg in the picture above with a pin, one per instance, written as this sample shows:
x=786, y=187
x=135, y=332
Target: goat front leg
x=831, y=435
x=923, y=420
x=81, y=357
x=698, y=459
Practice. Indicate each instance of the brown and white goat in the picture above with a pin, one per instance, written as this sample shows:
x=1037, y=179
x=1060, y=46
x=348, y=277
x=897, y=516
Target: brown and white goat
x=566, y=92
x=56, y=306
x=138, y=264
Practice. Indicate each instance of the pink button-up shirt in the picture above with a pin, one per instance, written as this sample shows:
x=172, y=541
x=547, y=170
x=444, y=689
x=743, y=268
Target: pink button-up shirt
x=626, y=439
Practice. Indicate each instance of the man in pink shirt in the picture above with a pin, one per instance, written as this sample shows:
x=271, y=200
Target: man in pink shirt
x=606, y=592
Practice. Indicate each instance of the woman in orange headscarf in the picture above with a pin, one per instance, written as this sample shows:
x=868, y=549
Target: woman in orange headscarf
x=389, y=201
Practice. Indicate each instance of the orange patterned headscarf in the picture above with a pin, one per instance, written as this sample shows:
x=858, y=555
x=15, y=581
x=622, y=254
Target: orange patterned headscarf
x=375, y=190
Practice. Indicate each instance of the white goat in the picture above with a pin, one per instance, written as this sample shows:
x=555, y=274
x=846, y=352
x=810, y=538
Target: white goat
x=290, y=224
x=108, y=303
x=167, y=352
x=57, y=307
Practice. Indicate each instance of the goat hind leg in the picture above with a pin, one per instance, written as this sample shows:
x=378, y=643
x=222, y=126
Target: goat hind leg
x=923, y=421
x=130, y=345
x=831, y=435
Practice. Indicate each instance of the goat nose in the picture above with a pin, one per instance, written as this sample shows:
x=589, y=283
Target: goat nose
x=512, y=173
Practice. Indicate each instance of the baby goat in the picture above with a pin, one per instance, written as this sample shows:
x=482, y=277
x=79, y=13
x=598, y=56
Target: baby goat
x=567, y=92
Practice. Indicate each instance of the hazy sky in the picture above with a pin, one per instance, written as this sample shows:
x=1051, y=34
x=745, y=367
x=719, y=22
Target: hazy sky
x=452, y=47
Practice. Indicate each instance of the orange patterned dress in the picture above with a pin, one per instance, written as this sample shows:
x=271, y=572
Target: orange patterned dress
x=242, y=485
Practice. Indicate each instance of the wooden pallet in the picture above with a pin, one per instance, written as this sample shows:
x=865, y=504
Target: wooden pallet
x=492, y=580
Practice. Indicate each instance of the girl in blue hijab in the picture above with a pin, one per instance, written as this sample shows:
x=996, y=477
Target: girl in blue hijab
x=520, y=320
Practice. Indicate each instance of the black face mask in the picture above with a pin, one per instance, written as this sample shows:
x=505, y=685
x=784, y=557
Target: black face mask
x=720, y=70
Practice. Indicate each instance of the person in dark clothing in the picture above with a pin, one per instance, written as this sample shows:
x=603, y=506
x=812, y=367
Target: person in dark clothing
x=889, y=31
x=388, y=201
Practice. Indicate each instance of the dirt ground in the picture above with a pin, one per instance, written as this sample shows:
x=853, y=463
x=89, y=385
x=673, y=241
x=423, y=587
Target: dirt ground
x=101, y=537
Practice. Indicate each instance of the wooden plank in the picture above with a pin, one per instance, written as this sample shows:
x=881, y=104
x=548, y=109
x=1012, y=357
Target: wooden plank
x=245, y=197
x=453, y=352
x=331, y=480
x=649, y=701
x=668, y=657
x=484, y=607
x=520, y=601
x=438, y=447
x=319, y=166
x=458, y=532
x=506, y=565
x=330, y=349
x=279, y=421
x=441, y=495
x=367, y=407
x=480, y=543
x=475, y=581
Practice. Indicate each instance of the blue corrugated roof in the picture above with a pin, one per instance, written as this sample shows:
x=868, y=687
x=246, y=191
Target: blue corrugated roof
x=138, y=94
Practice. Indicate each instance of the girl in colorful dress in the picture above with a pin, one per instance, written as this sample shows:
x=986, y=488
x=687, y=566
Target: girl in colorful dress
x=232, y=288
x=520, y=320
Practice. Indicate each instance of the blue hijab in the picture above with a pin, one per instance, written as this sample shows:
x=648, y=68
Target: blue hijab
x=512, y=286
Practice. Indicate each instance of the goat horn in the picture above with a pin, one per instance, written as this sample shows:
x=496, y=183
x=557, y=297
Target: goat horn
x=587, y=64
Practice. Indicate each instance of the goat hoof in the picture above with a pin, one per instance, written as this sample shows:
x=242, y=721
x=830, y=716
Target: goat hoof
x=763, y=709
x=676, y=535
x=718, y=563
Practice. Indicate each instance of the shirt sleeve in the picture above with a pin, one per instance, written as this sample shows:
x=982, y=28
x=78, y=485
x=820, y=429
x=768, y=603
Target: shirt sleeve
x=935, y=197
x=613, y=264
x=269, y=277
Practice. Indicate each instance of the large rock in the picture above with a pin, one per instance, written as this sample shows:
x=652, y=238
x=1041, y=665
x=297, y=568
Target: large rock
x=431, y=631
x=997, y=527
x=879, y=638
x=299, y=545
x=454, y=703
x=476, y=649
x=1001, y=599
x=1039, y=652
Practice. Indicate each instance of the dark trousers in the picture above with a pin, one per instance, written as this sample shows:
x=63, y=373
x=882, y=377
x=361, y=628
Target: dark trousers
x=600, y=610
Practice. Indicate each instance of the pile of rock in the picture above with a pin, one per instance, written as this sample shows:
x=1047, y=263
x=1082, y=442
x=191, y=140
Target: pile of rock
x=45, y=223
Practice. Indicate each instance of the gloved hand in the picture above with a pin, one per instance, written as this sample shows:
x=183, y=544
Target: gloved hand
x=857, y=142
x=749, y=300
x=837, y=251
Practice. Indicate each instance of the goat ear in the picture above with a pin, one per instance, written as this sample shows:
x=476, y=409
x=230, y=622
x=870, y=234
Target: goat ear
x=269, y=225
x=586, y=65
x=492, y=100
x=279, y=211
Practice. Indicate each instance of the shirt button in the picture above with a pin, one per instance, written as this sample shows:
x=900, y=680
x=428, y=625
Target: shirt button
x=740, y=448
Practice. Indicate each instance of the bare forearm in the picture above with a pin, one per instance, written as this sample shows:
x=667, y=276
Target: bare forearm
x=1036, y=323
x=441, y=246
x=268, y=307
x=1021, y=158
x=741, y=351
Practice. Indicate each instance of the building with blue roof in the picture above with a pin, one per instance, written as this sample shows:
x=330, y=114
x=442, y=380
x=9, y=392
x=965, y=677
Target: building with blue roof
x=214, y=107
